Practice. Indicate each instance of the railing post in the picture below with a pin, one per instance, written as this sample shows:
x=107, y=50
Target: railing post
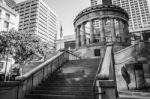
x=32, y=83
x=51, y=67
x=43, y=74
x=58, y=61
x=18, y=91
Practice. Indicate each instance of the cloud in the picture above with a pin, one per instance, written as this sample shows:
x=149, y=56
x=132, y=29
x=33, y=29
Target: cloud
x=18, y=1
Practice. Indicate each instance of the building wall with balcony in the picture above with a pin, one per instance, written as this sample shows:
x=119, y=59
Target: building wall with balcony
x=9, y=19
x=36, y=17
x=10, y=3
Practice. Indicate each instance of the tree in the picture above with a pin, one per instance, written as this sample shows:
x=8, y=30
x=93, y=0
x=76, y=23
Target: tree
x=21, y=45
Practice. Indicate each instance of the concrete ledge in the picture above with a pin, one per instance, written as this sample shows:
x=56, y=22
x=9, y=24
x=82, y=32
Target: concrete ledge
x=108, y=87
x=106, y=83
x=134, y=94
x=33, y=71
x=9, y=83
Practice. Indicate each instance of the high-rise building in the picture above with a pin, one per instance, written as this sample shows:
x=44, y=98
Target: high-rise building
x=9, y=19
x=37, y=18
x=95, y=2
x=139, y=14
x=10, y=3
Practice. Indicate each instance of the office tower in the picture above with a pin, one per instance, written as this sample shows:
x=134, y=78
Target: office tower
x=94, y=2
x=139, y=15
x=9, y=19
x=10, y=3
x=37, y=18
x=104, y=2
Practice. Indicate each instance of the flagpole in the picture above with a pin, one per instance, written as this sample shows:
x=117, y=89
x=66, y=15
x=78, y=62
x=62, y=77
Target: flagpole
x=61, y=31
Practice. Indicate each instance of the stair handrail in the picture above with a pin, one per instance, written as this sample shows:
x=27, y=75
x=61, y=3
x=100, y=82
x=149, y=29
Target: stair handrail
x=36, y=69
x=126, y=53
x=98, y=70
x=74, y=54
x=124, y=49
x=29, y=81
x=33, y=78
x=96, y=76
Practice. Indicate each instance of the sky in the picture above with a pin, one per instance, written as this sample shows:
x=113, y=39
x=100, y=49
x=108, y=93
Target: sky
x=66, y=10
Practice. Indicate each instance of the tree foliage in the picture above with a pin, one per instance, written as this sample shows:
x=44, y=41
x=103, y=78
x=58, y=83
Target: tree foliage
x=21, y=45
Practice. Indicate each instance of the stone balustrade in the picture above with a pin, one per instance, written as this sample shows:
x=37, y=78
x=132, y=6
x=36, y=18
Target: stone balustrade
x=26, y=83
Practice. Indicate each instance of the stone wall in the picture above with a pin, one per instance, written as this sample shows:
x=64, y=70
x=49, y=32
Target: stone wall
x=89, y=51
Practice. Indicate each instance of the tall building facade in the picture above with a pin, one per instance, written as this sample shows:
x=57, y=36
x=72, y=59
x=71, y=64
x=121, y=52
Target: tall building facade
x=37, y=18
x=10, y=3
x=95, y=2
x=139, y=15
x=9, y=19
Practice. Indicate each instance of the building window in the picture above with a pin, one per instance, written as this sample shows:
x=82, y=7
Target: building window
x=6, y=25
x=7, y=16
x=97, y=52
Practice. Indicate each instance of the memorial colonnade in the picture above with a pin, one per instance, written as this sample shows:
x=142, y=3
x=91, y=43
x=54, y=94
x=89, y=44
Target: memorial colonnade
x=118, y=25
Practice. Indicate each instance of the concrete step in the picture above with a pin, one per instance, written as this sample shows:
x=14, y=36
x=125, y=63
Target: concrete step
x=65, y=88
x=63, y=92
x=4, y=89
x=73, y=77
x=70, y=75
x=66, y=84
x=73, y=80
x=49, y=96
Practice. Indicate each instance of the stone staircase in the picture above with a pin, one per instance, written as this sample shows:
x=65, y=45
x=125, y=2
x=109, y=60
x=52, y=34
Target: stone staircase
x=74, y=81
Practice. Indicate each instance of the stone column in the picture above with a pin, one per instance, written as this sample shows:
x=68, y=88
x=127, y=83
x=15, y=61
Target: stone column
x=87, y=41
x=121, y=30
x=128, y=34
x=102, y=31
x=113, y=31
x=83, y=36
x=125, y=32
x=78, y=37
x=91, y=31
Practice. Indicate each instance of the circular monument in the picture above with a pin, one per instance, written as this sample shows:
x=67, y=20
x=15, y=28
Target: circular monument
x=106, y=23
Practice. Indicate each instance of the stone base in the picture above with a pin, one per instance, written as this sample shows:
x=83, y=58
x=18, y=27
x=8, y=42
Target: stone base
x=94, y=51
